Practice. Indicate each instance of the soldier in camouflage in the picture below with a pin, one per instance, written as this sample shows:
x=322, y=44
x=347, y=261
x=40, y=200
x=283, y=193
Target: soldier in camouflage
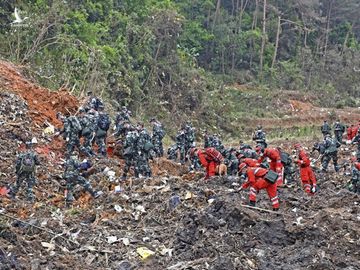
x=339, y=130
x=260, y=137
x=130, y=152
x=103, y=125
x=330, y=153
x=189, y=137
x=122, y=117
x=87, y=132
x=157, y=137
x=231, y=160
x=25, y=169
x=325, y=129
x=356, y=140
x=71, y=132
x=145, y=151
x=74, y=174
x=180, y=140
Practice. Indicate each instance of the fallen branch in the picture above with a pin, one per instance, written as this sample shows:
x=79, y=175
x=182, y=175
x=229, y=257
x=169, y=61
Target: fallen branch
x=37, y=227
x=264, y=210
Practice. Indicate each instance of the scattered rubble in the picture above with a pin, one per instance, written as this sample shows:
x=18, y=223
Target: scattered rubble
x=175, y=220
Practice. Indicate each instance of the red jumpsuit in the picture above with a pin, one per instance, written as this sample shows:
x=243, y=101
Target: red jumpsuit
x=208, y=163
x=275, y=162
x=307, y=175
x=349, y=133
x=354, y=132
x=257, y=182
x=250, y=162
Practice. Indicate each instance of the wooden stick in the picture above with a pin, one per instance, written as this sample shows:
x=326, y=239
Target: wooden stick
x=37, y=227
x=264, y=210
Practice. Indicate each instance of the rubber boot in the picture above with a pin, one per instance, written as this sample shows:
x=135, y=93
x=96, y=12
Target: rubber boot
x=252, y=203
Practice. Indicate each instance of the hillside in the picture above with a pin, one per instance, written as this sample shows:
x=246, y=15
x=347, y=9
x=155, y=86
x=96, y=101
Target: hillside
x=210, y=228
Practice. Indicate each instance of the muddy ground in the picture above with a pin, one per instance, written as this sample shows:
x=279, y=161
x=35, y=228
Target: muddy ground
x=183, y=221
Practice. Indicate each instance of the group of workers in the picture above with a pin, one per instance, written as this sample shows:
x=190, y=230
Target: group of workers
x=261, y=167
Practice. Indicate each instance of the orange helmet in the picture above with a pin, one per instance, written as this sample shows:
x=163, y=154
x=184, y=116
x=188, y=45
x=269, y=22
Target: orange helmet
x=242, y=167
x=297, y=145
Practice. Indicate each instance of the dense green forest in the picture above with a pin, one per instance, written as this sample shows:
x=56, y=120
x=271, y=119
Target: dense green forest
x=178, y=56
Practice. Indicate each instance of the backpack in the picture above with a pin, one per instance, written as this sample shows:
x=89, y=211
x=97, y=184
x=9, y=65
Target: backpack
x=75, y=123
x=27, y=163
x=285, y=158
x=214, y=154
x=104, y=121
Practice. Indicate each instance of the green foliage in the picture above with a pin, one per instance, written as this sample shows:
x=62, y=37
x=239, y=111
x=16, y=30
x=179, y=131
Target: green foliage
x=172, y=56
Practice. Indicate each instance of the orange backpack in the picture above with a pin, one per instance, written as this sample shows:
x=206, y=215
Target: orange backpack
x=214, y=154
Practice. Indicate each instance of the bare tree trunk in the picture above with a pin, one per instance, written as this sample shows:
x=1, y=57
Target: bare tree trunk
x=263, y=40
x=276, y=42
x=217, y=11
x=253, y=26
x=254, y=22
x=346, y=40
x=223, y=60
x=327, y=31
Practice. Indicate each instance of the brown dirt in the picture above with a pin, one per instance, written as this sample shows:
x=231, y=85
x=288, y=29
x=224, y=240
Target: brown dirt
x=209, y=229
x=43, y=103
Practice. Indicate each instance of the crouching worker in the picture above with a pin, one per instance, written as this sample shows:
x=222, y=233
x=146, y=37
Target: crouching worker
x=257, y=179
x=74, y=174
x=307, y=175
x=210, y=159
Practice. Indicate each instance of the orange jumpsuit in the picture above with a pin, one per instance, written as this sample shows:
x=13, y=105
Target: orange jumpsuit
x=257, y=182
x=250, y=162
x=307, y=175
x=208, y=163
x=275, y=162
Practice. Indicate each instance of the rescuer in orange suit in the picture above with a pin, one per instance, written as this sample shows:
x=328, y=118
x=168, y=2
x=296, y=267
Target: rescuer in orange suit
x=209, y=158
x=256, y=182
x=275, y=160
x=307, y=175
x=248, y=161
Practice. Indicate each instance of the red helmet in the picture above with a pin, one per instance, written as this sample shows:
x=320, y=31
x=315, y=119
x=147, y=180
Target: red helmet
x=297, y=145
x=242, y=167
x=259, y=149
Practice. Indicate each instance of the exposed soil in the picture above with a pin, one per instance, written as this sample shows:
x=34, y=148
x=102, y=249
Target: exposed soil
x=210, y=228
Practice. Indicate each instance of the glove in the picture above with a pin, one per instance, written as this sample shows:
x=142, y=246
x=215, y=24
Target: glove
x=67, y=139
x=313, y=189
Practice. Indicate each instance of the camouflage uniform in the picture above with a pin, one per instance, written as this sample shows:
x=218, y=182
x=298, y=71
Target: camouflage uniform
x=94, y=102
x=260, y=137
x=356, y=140
x=189, y=137
x=330, y=152
x=325, y=129
x=180, y=145
x=158, y=135
x=103, y=124
x=130, y=153
x=231, y=161
x=339, y=130
x=73, y=177
x=121, y=118
x=289, y=169
x=145, y=151
x=72, y=129
x=208, y=140
x=25, y=171
x=172, y=152
x=355, y=180
x=87, y=132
